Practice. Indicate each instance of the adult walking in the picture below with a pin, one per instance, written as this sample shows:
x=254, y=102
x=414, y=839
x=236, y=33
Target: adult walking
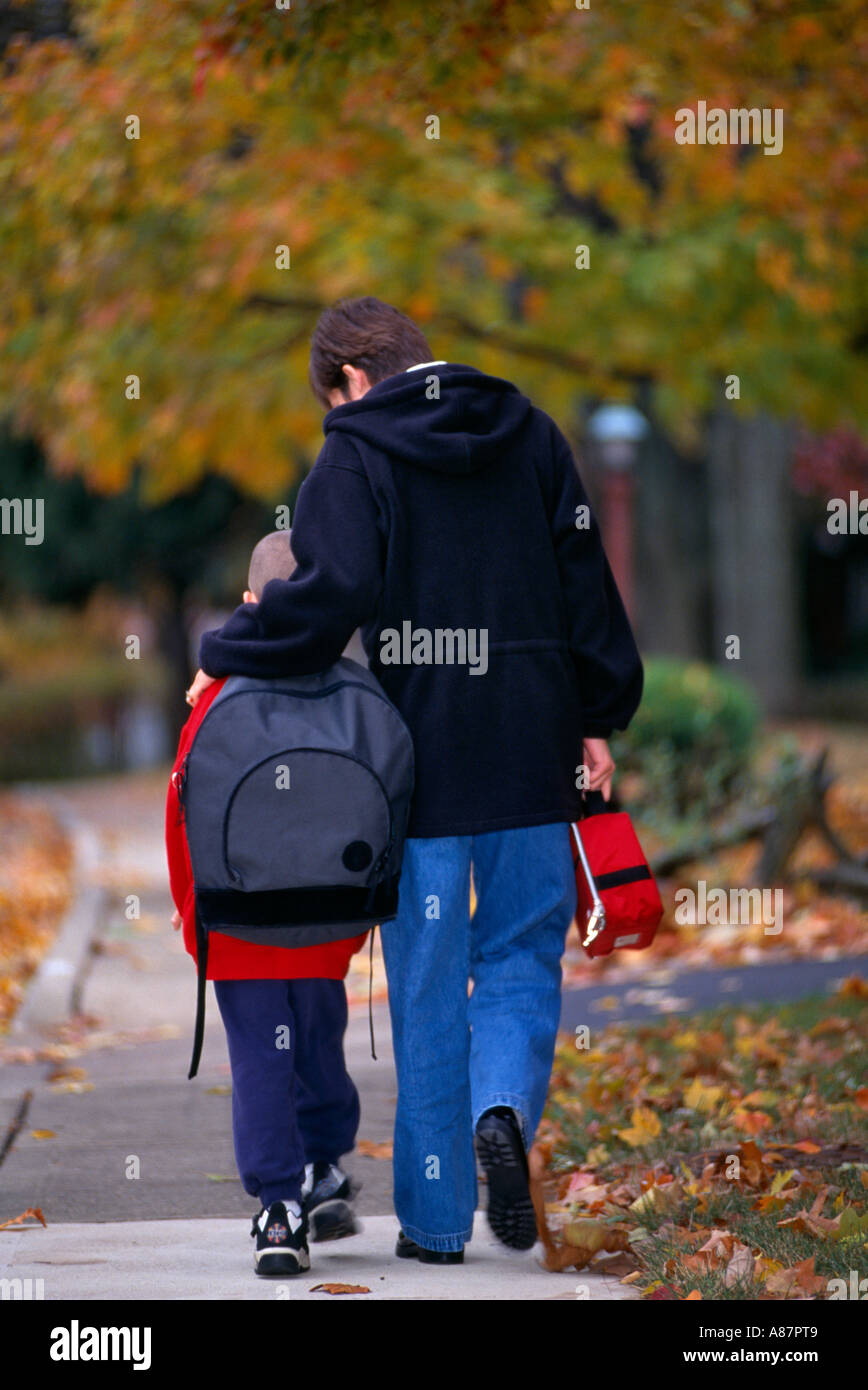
x=445, y=518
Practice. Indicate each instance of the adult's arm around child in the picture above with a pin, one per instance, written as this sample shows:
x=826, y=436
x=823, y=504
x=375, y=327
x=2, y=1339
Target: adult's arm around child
x=301, y=625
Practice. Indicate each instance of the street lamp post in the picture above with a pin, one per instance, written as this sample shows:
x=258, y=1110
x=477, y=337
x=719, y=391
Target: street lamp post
x=617, y=431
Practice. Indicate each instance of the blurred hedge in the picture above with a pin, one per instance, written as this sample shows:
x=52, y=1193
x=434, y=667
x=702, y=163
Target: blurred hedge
x=689, y=747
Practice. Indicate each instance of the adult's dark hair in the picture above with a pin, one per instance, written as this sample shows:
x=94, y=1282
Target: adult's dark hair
x=367, y=334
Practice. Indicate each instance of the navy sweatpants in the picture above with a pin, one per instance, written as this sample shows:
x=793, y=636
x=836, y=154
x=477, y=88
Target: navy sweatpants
x=292, y=1104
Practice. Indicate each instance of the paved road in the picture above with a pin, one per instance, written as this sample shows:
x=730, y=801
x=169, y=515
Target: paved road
x=694, y=990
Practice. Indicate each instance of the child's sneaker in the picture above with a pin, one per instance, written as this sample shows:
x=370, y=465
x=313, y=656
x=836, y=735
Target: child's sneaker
x=326, y=1194
x=281, y=1240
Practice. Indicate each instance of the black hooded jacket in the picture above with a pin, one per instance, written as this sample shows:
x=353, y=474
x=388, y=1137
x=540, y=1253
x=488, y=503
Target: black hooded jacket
x=445, y=526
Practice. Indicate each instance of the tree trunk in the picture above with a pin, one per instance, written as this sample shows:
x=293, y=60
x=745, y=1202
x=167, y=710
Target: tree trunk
x=755, y=589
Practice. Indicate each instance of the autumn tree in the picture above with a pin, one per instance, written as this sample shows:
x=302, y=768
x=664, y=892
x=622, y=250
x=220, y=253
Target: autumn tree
x=184, y=185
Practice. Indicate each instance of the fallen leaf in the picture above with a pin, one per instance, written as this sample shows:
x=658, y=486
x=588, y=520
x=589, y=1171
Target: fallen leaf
x=369, y=1149
x=658, y=1199
x=850, y=1226
x=763, y=1267
x=800, y=1279
x=716, y=1253
x=43, y=1134
x=751, y=1121
x=762, y=1098
x=220, y=1177
x=813, y=1222
x=819, y=1202
x=781, y=1179
x=751, y=1168
x=703, y=1098
x=740, y=1267
x=221, y=1090
x=587, y=1235
x=340, y=1288
x=645, y=1126
x=854, y=987
x=31, y=1214
x=577, y=1182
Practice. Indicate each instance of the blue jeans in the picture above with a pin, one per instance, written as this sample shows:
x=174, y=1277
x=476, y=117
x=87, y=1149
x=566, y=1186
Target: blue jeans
x=457, y=1056
x=290, y=1105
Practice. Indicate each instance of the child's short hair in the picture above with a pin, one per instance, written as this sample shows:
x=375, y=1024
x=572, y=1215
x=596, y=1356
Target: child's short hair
x=272, y=558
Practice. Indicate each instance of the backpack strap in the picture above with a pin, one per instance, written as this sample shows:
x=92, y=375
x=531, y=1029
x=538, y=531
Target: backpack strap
x=371, y=990
x=201, y=986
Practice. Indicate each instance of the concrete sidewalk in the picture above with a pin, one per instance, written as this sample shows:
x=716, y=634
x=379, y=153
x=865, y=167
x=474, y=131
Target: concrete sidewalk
x=211, y=1259
x=114, y=1100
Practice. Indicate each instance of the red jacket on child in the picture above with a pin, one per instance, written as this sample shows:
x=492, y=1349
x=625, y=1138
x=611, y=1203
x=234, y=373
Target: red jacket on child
x=228, y=957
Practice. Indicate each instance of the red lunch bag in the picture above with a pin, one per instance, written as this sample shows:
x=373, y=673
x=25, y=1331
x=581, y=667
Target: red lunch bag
x=619, y=903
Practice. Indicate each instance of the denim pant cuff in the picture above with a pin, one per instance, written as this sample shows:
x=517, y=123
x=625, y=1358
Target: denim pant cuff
x=428, y=1242
x=517, y=1103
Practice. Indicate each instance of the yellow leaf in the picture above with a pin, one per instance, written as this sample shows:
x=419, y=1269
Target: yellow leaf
x=703, y=1098
x=43, y=1134
x=762, y=1098
x=849, y=1225
x=780, y=1181
x=588, y=1235
x=658, y=1199
x=765, y=1267
x=645, y=1126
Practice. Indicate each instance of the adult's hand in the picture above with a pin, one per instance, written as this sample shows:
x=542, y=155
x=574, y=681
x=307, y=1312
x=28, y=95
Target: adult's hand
x=601, y=768
x=199, y=686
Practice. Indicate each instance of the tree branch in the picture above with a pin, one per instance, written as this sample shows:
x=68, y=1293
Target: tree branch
x=451, y=320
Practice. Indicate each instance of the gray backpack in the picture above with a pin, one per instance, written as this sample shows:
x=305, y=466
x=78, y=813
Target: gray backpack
x=295, y=796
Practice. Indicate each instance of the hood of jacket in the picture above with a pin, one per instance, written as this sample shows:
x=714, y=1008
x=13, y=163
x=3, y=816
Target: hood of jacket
x=467, y=427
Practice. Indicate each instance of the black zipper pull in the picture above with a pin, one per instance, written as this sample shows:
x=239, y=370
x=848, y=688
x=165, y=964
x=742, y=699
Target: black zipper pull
x=180, y=780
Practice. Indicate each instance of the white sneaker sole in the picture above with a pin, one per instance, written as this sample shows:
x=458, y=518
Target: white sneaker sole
x=272, y=1263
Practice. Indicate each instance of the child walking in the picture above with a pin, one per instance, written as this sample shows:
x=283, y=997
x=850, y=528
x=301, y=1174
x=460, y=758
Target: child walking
x=295, y=1109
